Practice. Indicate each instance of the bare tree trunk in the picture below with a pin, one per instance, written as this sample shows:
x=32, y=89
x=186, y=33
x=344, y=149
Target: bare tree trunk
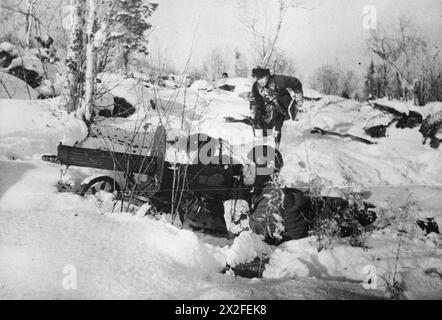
x=29, y=21
x=74, y=54
x=90, y=61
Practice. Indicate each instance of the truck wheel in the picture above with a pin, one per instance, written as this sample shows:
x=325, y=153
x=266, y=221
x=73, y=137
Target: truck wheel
x=103, y=183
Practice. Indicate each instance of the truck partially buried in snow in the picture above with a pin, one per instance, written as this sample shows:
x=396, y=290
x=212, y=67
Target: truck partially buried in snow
x=215, y=192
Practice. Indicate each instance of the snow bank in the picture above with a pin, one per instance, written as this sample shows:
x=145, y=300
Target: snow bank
x=35, y=127
x=302, y=259
x=47, y=89
x=127, y=88
x=245, y=248
x=15, y=88
x=115, y=255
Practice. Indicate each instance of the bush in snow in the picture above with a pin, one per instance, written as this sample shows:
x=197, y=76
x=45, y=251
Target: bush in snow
x=335, y=218
x=334, y=80
x=350, y=218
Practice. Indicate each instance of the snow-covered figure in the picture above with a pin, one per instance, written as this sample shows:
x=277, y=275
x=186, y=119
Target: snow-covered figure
x=283, y=222
x=272, y=102
x=277, y=214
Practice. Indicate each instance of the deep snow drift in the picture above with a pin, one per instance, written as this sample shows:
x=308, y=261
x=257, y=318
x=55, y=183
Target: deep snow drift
x=124, y=255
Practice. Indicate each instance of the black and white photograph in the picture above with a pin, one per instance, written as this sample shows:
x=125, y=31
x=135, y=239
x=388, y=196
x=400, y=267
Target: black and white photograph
x=237, y=151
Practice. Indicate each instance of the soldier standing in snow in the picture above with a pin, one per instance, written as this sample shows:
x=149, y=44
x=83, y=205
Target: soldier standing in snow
x=271, y=103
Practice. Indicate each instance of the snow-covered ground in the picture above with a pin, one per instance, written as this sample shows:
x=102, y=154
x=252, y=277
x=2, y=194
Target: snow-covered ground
x=32, y=127
x=117, y=255
x=45, y=234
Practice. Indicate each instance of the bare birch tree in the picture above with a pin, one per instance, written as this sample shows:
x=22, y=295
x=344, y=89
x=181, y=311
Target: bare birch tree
x=30, y=20
x=74, y=58
x=90, y=61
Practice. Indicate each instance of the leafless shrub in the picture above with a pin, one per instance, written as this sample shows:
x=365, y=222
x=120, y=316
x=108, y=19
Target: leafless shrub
x=334, y=80
x=215, y=64
x=263, y=21
x=333, y=221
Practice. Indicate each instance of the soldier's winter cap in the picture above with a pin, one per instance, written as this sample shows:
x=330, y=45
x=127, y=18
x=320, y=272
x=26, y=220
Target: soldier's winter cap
x=260, y=72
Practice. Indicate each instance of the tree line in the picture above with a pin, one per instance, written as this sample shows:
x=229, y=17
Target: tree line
x=404, y=66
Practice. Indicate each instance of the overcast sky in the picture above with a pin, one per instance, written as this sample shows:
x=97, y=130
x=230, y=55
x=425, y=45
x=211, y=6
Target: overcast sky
x=327, y=31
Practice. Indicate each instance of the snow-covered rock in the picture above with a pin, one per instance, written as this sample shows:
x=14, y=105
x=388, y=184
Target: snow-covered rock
x=48, y=90
x=28, y=62
x=9, y=48
x=129, y=89
x=12, y=87
x=200, y=85
x=8, y=52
